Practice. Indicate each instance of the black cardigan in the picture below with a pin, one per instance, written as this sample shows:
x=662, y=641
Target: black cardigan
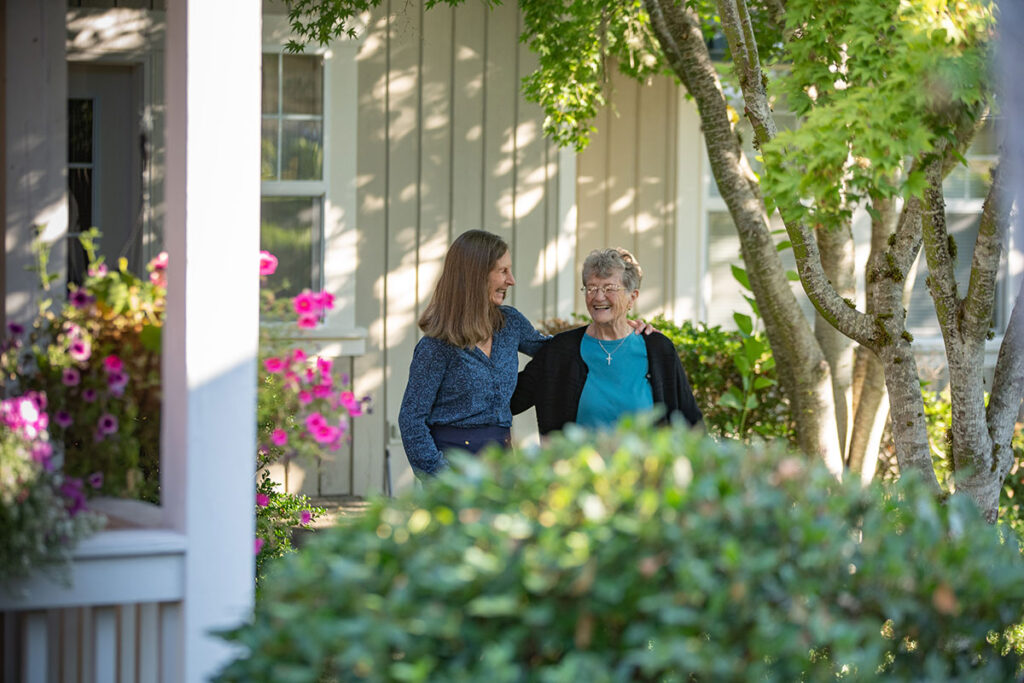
x=553, y=381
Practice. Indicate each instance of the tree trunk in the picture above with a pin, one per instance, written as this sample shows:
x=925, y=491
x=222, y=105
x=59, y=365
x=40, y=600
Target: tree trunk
x=804, y=374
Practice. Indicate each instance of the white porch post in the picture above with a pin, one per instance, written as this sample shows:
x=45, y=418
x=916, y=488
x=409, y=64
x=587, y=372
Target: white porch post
x=210, y=339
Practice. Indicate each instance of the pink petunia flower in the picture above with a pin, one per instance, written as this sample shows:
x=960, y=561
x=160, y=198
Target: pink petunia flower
x=268, y=263
x=70, y=377
x=307, y=321
x=324, y=299
x=158, y=262
x=279, y=437
x=305, y=398
x=306, y=517
x=262, y=499
x=98, y=271
x=258, y=545
x=113, y=364
x=273, y=365
x=89, y=395
x=324, y=365
x=325, y=434
x=314, y=421
x=79, y=349
x=322, y=391
x=306, y=303
x=298, y=356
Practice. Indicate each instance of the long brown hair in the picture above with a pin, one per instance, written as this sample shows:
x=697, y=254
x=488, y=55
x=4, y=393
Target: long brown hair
x=461, y=311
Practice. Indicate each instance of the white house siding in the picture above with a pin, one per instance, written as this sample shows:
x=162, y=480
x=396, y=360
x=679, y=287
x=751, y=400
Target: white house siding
x=626, y=189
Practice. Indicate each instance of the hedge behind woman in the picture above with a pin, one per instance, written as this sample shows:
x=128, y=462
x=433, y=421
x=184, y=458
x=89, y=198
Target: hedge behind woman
x=593, y=375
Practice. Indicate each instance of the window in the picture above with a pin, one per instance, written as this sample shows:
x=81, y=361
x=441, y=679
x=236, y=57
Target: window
x=292, y=170
x=80, y=177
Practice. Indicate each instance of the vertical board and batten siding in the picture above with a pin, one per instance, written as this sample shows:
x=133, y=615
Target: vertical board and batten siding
x=446, y=144
x=625, y=187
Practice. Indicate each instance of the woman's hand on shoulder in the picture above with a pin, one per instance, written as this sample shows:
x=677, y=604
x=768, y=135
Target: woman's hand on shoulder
x=641, y=327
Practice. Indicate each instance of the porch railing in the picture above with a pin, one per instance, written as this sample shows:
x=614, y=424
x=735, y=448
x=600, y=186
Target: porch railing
x=118, y=620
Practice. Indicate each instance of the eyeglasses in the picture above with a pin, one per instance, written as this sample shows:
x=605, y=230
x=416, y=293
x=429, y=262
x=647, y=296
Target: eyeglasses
x=607, y=289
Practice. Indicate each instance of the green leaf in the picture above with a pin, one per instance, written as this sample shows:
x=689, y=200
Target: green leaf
x=916, y=184
x=792, y=275
x=751, y=402
x=743, y=322
x=873, y=212
x=783, y=245
x=729, y=400
x=764, y=382
x=741, y=276
x=753, y=304
x=150, y=337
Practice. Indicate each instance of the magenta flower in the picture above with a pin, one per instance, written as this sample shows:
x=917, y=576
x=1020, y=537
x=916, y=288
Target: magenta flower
x=324, y=300
x=113, y=364
x=63, y=418
x=258, y=545
x=307, y=321
x=298, y=356
x=306, y=517
x=41, y=452
x=89, y=395
x=314, y=421
x=324, y=365
x=80, y=298
x=158, y=262
x=325, y=433
x=279, y=437
x=98, y=271
x=107, y=424
x=305, y=398
x=306, y=303
x=273, y=365
x=71, y=377
x=322, y=391
x=79, y=349
x=95, y=480
x=268, y=263
x=262, y=499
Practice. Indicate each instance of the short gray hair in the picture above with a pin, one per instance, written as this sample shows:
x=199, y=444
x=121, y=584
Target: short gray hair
x=606, y=262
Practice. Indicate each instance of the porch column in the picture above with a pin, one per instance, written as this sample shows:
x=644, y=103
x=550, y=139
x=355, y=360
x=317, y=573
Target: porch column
x=210, y=339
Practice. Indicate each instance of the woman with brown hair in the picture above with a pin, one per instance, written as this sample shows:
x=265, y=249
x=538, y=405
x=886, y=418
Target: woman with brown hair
x=464, y=369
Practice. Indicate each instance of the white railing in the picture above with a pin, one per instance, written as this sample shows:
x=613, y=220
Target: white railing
x=118, y=620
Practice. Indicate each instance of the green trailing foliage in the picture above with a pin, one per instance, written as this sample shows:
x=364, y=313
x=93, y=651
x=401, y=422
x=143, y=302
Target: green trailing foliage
x=642, y=555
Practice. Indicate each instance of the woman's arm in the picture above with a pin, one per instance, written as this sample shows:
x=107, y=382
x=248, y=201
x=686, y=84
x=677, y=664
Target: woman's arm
x=426, y=372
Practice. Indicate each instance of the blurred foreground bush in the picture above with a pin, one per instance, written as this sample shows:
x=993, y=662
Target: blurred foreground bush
x=643, y=555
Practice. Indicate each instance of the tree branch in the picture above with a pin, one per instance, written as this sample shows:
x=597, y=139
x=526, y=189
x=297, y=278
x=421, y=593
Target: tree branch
x=1008, y=382
x=979, y=302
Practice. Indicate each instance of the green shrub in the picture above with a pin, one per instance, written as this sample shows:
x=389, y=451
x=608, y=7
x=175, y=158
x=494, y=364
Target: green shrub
x=645, y=555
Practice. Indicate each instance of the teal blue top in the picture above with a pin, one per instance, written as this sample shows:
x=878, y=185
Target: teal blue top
x=616, y=388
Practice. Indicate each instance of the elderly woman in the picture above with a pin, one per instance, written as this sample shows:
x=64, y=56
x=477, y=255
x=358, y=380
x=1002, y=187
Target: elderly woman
x=595, y=374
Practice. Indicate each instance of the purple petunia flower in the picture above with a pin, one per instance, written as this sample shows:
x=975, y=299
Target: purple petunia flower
x=14, y=329
x=89, y=395
x=70, y=377
x=262, y=499
x=116, y=382
x=107, y=424
x=80, y=298
x=306, y=517
x=95, y=480
x=258, y=545
x=63, y=418
x=74, y=496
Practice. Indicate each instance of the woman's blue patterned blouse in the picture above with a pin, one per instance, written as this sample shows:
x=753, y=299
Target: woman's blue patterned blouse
x=462, y=387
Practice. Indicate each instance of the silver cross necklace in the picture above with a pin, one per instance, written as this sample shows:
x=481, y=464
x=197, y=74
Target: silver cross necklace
x=607, y=353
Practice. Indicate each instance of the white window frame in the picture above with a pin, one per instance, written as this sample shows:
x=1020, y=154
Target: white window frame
x=337, y=334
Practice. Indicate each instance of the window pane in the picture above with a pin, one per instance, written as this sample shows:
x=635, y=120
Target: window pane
x=290, y=229
x=268, y=149
x=302, y=150
x=303, y=84
x=79, y=131
x=270, y=82
x=986, y=140
x=921, y=319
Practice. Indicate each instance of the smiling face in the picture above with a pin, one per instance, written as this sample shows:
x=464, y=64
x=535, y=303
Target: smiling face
x=611, y=308
x=500, y=279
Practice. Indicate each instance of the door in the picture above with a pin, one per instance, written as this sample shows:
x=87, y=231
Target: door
x=105, y=163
